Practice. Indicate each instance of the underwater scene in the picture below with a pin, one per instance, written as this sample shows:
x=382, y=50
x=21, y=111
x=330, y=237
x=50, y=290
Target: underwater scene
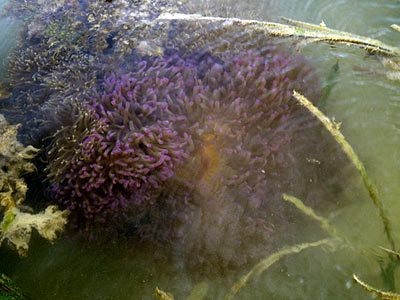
x=199, y=149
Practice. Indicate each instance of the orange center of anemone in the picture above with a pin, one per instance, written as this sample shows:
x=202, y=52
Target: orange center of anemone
x=205, y=165
x=210, y=158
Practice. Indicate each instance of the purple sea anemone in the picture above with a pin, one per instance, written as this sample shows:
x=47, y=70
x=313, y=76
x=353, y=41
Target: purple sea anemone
x=115, y=155
x=191, y=152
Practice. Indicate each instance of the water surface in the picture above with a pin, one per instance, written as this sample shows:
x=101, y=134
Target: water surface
x=367, y=104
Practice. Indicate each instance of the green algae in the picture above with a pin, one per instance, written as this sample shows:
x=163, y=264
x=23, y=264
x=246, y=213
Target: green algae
x=9, y=217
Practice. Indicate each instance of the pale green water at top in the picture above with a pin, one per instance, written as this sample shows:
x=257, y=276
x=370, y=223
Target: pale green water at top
x=367, y=104
x=9, y=30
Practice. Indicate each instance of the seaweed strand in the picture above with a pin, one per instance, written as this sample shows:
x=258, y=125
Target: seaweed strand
x=309, y=32
x=273, y=258
x=310, y=212
x=333, y=128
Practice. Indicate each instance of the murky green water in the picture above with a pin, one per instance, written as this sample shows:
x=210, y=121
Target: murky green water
x=7, y=39
x=367, y=104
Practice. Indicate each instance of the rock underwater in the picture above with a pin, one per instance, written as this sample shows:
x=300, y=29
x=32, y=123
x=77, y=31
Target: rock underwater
x=170, y=137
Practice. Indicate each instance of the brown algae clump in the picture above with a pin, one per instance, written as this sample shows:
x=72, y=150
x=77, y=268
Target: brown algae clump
x=16, y=226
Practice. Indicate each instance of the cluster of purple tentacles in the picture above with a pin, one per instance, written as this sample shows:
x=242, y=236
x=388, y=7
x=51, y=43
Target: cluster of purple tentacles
x=182, y=146
x=122, y=160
